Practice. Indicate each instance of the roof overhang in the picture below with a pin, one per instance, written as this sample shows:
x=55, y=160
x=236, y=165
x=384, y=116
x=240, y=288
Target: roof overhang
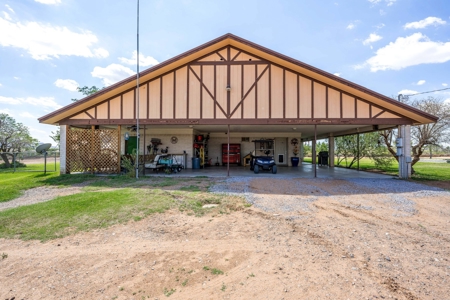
x=418, y=116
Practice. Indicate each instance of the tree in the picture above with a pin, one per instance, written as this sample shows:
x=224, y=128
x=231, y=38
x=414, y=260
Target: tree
x=86, y=91
x=346, y=147
x=423, y=135
x=56, y=137
x=14, y=137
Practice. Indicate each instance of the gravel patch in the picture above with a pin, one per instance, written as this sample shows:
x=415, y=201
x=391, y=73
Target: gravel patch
x=38, y=195
x=296, y=195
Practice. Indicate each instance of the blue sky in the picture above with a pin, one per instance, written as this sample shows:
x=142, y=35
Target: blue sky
x=49, y=47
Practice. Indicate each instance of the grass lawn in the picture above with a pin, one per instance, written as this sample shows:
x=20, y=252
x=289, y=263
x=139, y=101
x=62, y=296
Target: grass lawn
x=104, y=201
x=423, y=170
x=12, y=184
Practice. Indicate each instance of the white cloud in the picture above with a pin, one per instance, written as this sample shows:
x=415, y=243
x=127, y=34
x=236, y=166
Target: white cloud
x=382, y=12
x=68, y=84
x=424, y=23
x=143, y=60
x=1, y=85
x=49, y=1
x=388, y=2
x=9, y=8
x=407, y=92
x=373, y=37
x=7, y=17
x=444, y=84
x=41, y=101
x=16, y=78
x=100, y=52
x=420, y=82
x=112, y=73
x=6, y=111
x=337, y=74
x=379, y=26
x=408, y=51
x=26, y=114
x=351, y=26
x=44, y=41
x=38, y=130
x=9, y=100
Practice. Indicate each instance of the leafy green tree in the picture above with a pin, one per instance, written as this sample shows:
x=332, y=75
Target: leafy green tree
x=321, y=146
x=14, y=137
x=306, y=149
x=423, y=136
x=346, y=147
x=56, y=137
x=86, y=91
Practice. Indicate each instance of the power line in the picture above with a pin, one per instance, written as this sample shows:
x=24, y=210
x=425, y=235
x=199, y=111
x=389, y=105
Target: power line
x=407, y=96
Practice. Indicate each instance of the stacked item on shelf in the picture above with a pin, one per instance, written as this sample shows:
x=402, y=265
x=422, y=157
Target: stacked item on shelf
x=234, y=156
x=201, y=149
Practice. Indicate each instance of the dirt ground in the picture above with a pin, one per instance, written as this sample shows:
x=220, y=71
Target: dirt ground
x=342, y=242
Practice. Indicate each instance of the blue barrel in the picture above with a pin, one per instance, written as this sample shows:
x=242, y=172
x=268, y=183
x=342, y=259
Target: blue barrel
x=195, y=163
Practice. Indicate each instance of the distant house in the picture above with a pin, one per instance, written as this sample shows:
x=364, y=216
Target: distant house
x=228, y=85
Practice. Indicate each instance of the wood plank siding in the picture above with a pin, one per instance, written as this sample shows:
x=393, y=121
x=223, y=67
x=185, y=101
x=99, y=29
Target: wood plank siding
x=262, y=92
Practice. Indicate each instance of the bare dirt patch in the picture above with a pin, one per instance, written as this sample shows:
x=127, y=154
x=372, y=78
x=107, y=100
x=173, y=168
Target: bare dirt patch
x=302, y=239
x=443, y=184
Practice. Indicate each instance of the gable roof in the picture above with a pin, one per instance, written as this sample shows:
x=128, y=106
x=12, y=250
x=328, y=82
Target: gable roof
x=418, y=116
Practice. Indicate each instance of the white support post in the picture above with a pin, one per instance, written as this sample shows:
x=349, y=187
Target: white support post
x=407, y=149
x=404, y=160
x=331, y=150
x=62, y=148
x=301, y=154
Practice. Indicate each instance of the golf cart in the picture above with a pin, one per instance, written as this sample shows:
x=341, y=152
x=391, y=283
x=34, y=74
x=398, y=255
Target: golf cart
x=261, y=158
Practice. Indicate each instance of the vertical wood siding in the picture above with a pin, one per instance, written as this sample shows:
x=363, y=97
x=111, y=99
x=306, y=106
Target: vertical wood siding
x=259, y=90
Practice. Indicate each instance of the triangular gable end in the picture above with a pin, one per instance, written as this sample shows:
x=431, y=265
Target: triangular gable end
x=264, y=85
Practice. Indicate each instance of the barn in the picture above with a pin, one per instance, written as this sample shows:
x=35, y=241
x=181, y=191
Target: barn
x=218, y=96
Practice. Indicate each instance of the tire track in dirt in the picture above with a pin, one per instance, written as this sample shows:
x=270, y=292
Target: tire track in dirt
x=382, y=279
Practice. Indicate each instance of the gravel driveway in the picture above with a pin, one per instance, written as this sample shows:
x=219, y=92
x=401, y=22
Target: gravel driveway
x=292, y=195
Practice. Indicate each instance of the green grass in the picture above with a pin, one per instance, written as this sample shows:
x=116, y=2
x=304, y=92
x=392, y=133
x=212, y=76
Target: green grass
x=423, y=170
x=81, y=212
x=192, y=188
x=12, y=184
x=103, y=201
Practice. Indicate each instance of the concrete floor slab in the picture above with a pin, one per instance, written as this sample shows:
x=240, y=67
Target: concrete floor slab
x=303, y=171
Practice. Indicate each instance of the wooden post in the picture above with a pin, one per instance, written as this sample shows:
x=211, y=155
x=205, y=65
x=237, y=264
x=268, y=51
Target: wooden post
x=314, y=151
x=144, y=151
x=228, y=154
x=119, y=148
x=357, y=141
x=92, y=148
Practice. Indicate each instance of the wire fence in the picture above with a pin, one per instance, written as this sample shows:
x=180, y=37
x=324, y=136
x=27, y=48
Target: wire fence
x=19, y=159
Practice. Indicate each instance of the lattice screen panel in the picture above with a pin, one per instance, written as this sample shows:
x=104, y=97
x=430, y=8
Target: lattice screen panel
x=93, y=151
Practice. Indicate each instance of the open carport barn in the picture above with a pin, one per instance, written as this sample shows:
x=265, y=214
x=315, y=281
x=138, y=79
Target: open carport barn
x=227, y=91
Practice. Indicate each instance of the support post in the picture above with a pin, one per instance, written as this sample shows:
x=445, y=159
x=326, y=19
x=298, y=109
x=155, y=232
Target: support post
x=92, y=148
x=301, y=154
x=407, y=147
x=119, y=148
x=228, y=152
x=331, y=150
x=137, y=94
x=404, y=160
x=357, y=141
x=63, y=148
x=144, y=151
x=314, y=151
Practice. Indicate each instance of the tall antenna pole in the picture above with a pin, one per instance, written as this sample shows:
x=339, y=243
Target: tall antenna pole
x=137, y=95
